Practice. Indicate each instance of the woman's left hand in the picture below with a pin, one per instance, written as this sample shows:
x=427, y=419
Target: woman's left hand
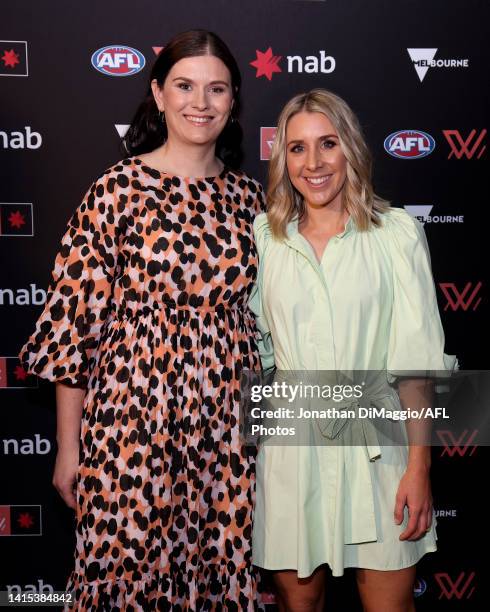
x=414, y=491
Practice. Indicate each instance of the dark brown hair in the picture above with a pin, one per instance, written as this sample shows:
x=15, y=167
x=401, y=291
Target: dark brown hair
x=147, y=131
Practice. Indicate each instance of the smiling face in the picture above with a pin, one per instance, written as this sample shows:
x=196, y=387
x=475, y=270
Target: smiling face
x=316, y=164
x=197, y=99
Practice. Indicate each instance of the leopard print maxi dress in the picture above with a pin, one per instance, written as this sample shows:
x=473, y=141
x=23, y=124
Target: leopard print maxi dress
x=148, y=310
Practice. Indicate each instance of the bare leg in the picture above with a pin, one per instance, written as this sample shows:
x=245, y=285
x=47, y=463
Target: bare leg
x=300, y=594
x=386, y=591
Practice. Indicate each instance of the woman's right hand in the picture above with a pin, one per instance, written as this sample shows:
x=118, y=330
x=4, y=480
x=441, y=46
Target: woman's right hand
x=65, y=474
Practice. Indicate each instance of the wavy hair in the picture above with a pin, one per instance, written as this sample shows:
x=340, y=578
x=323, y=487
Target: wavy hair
x=285, y=203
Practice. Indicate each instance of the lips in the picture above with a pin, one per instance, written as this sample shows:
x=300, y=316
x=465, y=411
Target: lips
x=317, y=181
x=199, y=120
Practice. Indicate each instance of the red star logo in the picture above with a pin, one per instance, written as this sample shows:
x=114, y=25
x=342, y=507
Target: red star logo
x=20, y=373
x=266, y=63
x=25, y=520
x=10, y=58
x=17, y=219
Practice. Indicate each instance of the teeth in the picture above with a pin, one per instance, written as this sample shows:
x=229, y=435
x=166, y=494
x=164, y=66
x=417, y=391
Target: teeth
x=198, y=119
x=317, y=180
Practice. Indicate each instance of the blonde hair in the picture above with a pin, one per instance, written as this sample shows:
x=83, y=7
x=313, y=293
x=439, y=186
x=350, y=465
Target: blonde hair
x=284, y=202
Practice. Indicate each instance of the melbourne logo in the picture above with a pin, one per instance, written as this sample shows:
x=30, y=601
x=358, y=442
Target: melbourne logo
x=423, y=59
x=13, y=58
x=121, y=129
x=446, y=513
x=468, y=147
x=118, y=60
x=26, y=139
x=409, y=144
x=465, y=298
x=267, y=135
x=422, y=212
x=267, y=63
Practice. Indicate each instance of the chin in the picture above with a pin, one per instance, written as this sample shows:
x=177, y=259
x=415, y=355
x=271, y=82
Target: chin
x=200, y=139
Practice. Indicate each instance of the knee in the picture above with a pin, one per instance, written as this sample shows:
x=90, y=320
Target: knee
x=301, y=602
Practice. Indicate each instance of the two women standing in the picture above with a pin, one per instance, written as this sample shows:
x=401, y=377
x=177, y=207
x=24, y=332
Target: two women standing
x=148, y=327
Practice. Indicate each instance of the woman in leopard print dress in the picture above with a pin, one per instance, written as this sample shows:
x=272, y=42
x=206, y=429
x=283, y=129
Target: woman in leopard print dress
x=145, y=332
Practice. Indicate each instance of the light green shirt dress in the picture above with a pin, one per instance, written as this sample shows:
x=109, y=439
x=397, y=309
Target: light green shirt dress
x=370, y=304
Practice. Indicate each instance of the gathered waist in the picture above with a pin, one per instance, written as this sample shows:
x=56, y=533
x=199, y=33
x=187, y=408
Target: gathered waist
x=181, y=312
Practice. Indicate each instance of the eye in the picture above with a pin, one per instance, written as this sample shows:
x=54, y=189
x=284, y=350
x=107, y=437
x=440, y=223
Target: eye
x=184, y=86
x=296, y=148
x=217, y=89
x=329, y=144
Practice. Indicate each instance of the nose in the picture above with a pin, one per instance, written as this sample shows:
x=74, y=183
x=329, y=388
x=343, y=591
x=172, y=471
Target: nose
x=313, y=159
x=200, y=101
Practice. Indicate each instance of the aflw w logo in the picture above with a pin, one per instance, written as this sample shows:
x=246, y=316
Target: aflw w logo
x=459, y=446
x=459, y=588
x=461, y=299
x=469, y=147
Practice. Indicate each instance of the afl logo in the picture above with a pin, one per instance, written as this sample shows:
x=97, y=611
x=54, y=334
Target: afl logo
x=409, y=144
x=419, y=587
x=118, y=60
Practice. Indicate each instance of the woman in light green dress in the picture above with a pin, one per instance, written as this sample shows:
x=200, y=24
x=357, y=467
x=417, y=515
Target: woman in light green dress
x=344, y=284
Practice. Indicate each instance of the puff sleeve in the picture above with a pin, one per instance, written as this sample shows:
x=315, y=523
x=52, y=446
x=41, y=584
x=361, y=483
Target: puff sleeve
x=64, y=344
x=262, y=236
x=416, y=339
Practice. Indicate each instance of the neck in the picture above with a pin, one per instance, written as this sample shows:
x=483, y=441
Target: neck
x=331, y=218
x=188, y=160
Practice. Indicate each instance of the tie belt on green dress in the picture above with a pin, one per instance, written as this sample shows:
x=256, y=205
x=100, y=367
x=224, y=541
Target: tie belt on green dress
x=354, y=502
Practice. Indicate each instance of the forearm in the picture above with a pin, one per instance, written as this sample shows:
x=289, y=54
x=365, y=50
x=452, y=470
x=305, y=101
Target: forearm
x=418, y=394
x=69, y=404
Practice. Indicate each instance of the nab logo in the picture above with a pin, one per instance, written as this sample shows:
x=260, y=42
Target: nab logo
x=267, y=135
x=21, y=140
x=23, y=297
x=26, y=446
x=465, y=299
x=409, y=144
x=469, y=147
x=20, y=520
x=40, y=587
x=266, y=63
x=16, y=219
x=419, y=587
x=13, y=375
x=118, y=60
x=13, y=58
x=461, y=588
x=457, y=446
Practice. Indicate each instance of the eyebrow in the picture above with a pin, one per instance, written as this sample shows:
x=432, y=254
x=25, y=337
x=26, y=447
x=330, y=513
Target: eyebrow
x=193, y=82
x=319, y=138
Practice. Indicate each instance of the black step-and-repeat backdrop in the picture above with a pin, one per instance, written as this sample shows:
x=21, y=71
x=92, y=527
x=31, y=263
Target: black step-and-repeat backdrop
x=71, y=76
